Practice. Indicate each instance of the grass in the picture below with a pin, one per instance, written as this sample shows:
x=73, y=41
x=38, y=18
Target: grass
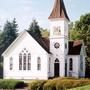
x=81, y=88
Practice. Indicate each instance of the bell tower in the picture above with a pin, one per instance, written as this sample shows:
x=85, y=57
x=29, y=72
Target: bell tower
x=59, y=36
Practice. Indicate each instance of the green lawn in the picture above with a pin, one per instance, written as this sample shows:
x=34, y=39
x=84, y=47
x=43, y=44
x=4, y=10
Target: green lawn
x=81, y=88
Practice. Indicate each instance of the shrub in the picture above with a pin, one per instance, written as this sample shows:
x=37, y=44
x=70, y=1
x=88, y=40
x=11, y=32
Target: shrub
x=65, y=83
x=11, y=84
x=58, y=84
x=36, y=85
x=50, y=85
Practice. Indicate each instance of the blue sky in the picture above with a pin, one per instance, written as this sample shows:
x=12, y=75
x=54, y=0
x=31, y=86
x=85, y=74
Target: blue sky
x=25, y=10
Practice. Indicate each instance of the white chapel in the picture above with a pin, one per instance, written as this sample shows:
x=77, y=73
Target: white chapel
x=34, y=57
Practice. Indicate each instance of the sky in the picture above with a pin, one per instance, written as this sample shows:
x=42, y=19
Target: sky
x=26, y=10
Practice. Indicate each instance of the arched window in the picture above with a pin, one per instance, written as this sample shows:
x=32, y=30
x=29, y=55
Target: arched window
x=38, y=63
x=20, y=61
x=11, y=63
x=24, y=61
x=71, y=64
x=56, y=61
x=29, y=61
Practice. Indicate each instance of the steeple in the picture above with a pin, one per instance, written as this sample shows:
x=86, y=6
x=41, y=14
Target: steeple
x=59, y=10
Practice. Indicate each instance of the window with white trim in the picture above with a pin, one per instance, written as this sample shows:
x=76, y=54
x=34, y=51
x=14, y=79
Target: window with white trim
x=29, y=61
x=38, y=63
x=24, y=60
x=20, y=61
x=11, y=63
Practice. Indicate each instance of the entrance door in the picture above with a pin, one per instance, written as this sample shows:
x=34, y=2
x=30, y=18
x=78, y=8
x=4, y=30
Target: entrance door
x=56, y=68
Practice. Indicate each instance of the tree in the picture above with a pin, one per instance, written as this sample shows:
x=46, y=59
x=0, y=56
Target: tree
x=44, y=32
x=73, y=33
x=83, y=27
x=81, y=31
x=8, y=35
x=34, y=28
x=10, y=31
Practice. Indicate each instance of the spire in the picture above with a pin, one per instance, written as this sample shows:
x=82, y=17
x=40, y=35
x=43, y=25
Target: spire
x=59, y=10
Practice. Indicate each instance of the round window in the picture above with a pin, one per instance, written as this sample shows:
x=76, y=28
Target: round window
x=57, y=45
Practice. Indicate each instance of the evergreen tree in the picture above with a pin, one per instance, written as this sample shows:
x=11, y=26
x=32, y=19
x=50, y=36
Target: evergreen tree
x=8, y=35
x=34, y=28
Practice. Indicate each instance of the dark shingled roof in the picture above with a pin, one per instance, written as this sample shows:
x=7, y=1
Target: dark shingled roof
x=59, y=10
x=74, y=47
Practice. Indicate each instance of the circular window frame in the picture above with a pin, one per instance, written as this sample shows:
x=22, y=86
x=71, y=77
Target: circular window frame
x=56, y=45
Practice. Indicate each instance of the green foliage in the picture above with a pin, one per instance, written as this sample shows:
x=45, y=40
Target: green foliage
x=87, y=87
x=80, y=30
x=36, y=85
x=63, y=84
x=8, y=35
x=83, y=27
x=74, y=35
x=44, y=32
x=11, y=84
x=58, y=84
x=50, y=85
x=9, y=32
x=34, y=28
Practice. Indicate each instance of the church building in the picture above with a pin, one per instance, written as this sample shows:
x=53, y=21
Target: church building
x=34, y=57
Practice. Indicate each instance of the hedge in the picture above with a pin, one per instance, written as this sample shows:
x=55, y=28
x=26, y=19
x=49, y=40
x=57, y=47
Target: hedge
x=58, y=84
x=36, y=85
x=11, y=84
x=63, y=84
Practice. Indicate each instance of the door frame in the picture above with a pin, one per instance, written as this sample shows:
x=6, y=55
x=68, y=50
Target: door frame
x=56, y=68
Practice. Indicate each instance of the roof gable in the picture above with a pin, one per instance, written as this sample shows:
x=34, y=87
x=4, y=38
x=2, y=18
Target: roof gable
x=20, y=35
x=44, y=43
